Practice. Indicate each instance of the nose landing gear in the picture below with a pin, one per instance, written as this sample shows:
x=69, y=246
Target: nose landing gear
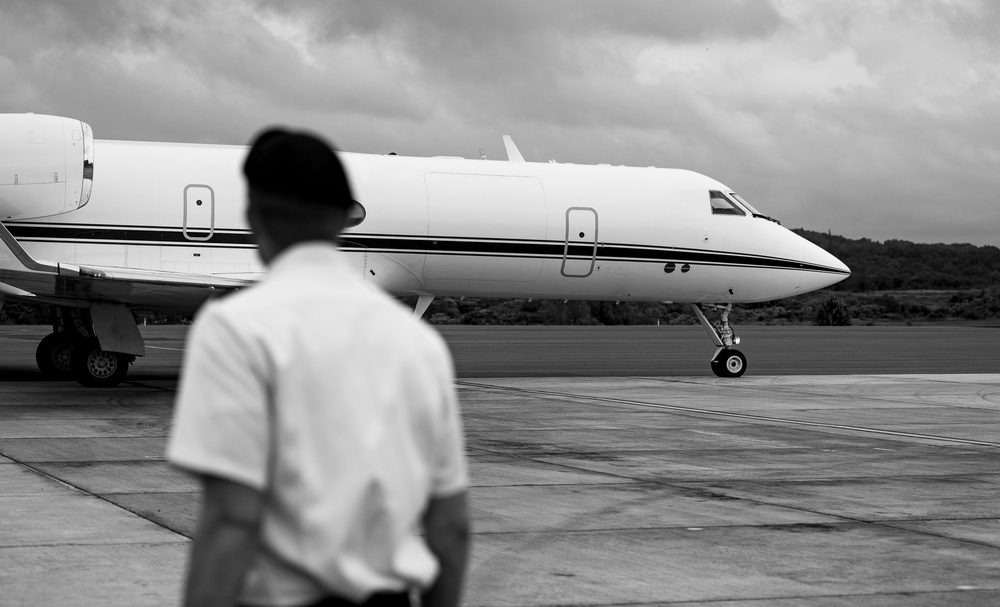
x=727, y=361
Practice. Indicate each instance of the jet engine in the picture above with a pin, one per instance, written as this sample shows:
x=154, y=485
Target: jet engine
x=46, y=165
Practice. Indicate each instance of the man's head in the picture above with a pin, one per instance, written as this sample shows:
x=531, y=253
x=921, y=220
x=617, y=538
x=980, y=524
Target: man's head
x=297, y=191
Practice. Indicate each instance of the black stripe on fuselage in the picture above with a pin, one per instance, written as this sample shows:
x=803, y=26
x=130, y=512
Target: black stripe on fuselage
x=387, y=243
x=125, y=235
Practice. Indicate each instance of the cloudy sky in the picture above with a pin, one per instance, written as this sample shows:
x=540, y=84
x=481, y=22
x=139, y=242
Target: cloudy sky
x=868, y=118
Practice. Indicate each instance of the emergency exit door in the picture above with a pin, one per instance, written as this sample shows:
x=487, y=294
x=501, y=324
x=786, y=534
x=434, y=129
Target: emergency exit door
x=199, y=212
x=580, y=251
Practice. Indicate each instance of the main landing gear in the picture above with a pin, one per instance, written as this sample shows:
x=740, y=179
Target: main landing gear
x=72, y=352
x=65, y=356
x=727, y=361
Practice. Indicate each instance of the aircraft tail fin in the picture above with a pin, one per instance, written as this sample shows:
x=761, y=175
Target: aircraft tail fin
x=513, y=155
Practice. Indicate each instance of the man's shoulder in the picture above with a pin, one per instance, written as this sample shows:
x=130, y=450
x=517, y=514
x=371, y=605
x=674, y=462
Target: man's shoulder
x=398, y=320
x=232, y=302
x=347, y=302
x=393, y=311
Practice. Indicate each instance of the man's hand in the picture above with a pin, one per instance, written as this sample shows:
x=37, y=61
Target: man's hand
x=446, y=524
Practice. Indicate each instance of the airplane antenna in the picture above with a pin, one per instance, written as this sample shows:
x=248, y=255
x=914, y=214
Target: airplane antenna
x=513, y=155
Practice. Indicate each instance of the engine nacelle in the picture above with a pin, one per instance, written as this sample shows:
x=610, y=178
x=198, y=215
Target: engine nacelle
x=46, y=165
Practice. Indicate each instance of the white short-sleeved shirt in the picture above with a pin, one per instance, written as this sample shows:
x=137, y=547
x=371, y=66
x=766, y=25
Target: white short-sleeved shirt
x=367, y=427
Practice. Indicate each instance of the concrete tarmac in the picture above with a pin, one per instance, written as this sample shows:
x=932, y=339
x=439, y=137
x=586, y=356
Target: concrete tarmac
x=871, y=482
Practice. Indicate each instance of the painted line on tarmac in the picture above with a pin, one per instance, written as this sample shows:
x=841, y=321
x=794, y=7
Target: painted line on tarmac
x=730, y=414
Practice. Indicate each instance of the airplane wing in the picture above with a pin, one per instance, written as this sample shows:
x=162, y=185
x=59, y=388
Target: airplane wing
x=22, y=277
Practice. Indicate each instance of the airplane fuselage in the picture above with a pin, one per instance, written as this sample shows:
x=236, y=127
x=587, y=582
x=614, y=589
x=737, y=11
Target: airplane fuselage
x=446, y=227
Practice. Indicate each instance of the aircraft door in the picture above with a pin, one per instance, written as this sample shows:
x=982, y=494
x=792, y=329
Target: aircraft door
x=580, y=251
x=199, y=212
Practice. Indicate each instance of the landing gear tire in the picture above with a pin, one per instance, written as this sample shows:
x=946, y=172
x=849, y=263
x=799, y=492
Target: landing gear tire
x=96, y=368
x=730, y=363
x=727, y=362
x=54, y=355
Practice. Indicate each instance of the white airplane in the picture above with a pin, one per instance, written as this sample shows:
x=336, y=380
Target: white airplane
x=96, y=229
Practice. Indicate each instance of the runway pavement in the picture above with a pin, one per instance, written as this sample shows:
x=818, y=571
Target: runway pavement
x=608, y=468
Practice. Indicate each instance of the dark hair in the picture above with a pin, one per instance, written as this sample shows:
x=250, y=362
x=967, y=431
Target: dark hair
x=287, y=222
x=300, y=166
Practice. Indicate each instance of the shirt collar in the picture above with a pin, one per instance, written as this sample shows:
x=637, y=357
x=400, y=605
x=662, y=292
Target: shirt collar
x=308, y=253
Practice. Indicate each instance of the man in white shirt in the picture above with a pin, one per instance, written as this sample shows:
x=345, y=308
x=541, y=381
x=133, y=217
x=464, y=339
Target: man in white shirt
x=320, y=416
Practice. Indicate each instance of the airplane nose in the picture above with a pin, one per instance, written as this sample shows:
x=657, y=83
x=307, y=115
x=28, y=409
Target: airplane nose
x=820, y=269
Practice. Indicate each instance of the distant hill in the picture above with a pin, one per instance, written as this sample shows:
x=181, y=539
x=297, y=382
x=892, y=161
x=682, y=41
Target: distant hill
x=902, y=265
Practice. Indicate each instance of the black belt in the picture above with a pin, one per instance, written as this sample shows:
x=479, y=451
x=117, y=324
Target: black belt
x=379, y=599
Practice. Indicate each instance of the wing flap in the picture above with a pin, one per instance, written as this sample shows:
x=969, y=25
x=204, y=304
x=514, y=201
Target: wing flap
x=65, y=284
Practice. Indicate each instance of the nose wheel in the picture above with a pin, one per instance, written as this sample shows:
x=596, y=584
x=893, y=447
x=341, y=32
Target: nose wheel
x=728, y=361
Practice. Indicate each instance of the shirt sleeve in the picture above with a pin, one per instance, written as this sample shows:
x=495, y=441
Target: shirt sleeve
x=221, y=418
x=450, y=475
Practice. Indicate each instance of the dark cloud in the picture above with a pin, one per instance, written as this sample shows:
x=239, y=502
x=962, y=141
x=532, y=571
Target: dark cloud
x=95, y=23
x=204, y=57
x=496, y=23
x=482, y=41
x=970, y=18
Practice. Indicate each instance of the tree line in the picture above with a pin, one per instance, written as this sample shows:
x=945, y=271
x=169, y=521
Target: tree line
x=896, y=265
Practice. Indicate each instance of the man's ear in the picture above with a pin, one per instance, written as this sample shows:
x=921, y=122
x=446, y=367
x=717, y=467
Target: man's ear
x=259, y=234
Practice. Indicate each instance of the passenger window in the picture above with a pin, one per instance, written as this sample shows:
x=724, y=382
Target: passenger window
x=355, y=215
x=721, y=205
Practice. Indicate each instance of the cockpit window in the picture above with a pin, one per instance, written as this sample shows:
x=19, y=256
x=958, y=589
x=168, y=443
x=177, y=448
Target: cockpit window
x=721, y=205
x=744, y=203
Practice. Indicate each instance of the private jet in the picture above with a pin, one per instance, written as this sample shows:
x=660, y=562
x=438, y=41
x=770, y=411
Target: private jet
x=97, y=229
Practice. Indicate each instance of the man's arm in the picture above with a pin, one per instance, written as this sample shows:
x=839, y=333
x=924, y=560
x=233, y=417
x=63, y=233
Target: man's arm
x=446, y=524
x=224, y=542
